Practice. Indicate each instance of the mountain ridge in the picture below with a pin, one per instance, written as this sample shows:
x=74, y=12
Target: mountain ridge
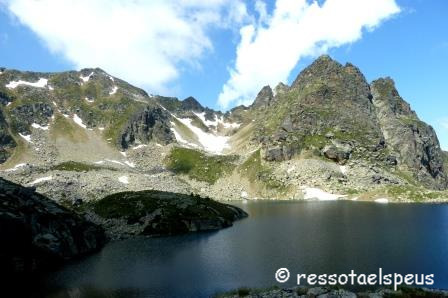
x=330, y=130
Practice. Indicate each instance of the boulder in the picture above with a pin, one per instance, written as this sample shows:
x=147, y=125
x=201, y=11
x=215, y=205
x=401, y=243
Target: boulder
x=338, y=154
x=36, y=233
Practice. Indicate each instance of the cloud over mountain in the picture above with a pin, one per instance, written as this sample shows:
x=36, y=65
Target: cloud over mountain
x=273, y=44
x=144, y=42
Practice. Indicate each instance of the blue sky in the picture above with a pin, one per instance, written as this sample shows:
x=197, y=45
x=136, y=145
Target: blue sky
x=222, y=59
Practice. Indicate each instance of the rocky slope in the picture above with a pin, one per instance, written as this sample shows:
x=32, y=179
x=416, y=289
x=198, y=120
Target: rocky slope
x=37, y=233
x=330, y=134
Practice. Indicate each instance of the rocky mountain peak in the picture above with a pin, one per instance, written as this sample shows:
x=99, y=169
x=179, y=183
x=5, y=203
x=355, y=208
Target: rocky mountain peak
x=264, y=98
x=281, y=88
x=385, y=93
x=322, y=67
x=190, y=103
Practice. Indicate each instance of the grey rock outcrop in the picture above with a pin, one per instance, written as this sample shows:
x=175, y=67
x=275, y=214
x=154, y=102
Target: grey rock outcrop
x=24, y=115
x=281, y=89
x=264, y=98
x=37, y=233
x=415, y=142
x=151, y=124
x=7, y=143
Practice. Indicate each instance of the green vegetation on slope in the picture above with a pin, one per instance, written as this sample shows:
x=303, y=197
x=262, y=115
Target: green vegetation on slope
x=75, y=166
x=65, y=128
x=256, y=171
x=164, y=213
x=405, y=193
x=198, y=165
x=134, y=205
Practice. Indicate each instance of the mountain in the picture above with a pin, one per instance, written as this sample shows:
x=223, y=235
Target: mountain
x=79, y=136
x=332, y=108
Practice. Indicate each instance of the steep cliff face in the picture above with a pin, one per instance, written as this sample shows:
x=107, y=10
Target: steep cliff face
x=415, y=142
x=328, y=106
x=37, y=233
x=331, y=111
x=264, y=98
x=151, y=124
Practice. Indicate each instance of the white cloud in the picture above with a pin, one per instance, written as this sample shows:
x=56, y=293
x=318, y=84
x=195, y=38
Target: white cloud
x=140, y=41
x=271, y=47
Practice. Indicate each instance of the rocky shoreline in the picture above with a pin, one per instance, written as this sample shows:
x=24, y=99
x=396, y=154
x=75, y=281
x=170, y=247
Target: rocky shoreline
x=332, y=292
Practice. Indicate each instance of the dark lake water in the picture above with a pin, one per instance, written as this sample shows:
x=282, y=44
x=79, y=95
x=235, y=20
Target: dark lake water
x=305, y=237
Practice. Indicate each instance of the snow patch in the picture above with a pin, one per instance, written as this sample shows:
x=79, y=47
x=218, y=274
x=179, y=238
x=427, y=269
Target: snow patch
x=131, y=164
x=35, y=125
x=319, y=194
x=180, y=139
x=217, y=121
x=26, y=137
x=139, y=146
x=55, y=104
x=50, y=88
x=210, y=142
x=101, y=128
x=78, y=121
x=41, y=83
x=39, y=180
x=123, y=179
x=115, y=161
x=89, y=100
x=16, y=167
x=382, y=201
x=114, y=90
x=123, y=153
x=343, y=169
x=86, y=78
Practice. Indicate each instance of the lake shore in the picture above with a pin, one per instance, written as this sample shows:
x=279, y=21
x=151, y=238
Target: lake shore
x=326, y=292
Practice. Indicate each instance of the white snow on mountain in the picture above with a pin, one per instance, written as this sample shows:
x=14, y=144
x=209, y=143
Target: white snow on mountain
x=41, y=83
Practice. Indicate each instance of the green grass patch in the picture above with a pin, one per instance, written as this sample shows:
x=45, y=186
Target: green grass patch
x=74, y=166
x=66, y=128
x=199, y=166
x=185, y=132
x=405, y=193
x=198, y=123
x=257, y=172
